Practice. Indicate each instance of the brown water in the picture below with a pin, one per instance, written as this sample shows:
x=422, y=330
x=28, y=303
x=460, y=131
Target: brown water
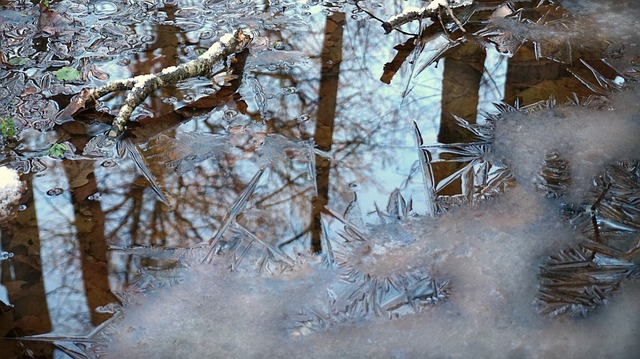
x=323, y=105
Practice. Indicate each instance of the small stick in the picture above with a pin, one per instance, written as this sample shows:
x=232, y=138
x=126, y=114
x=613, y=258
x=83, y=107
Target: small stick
x=141, y=86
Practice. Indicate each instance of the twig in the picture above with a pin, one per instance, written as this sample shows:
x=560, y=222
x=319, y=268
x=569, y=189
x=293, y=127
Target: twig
x=141, y=86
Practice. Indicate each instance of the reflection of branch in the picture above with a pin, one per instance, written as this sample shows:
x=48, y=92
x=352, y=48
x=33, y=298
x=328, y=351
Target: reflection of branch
x=433, y=9
x=289, y=182
x=379, y=19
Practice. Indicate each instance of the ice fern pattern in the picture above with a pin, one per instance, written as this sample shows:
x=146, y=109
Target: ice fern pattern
x=479, y=178
x=374, y=283
x=554, y=177
x=577, y=280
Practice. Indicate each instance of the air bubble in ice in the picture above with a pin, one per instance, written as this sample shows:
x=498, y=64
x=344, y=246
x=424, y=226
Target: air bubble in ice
x=229, y=114
x=55, y=191
x=206, y=35
x=109, y=163
x=110, y=308
x=170, y=100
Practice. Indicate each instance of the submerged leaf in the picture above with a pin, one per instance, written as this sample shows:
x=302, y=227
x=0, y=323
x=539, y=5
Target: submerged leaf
x=392, y=67
x=77, y=103
x=68, y=74
x=18, y=61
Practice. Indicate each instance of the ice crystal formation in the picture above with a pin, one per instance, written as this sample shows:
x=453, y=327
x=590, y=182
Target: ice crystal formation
x=554, y=176
x=379, y=278
x=403, y=266
x=576, y=281
x=579, y=279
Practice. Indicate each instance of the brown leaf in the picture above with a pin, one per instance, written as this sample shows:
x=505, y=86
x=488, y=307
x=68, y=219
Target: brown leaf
x=52, y=22
x=77, y=103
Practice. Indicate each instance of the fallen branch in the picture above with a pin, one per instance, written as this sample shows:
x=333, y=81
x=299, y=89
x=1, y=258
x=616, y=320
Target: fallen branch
x=432, y=9
x=141, y=86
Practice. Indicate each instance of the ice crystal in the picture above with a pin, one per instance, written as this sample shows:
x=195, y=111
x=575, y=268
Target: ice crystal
x=554, y=176
x=575, y=281
x=187, y=149
x=479, y=178
x=376, y=280
x=578, y=280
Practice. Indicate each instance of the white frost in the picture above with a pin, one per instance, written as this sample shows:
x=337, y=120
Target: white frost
x=142, y=80
x=169, y=70
x=414, y=12
x=216, y=49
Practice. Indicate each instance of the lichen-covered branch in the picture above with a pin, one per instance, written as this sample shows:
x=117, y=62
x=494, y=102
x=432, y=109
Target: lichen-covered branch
x=432, y=9
x=141, y=86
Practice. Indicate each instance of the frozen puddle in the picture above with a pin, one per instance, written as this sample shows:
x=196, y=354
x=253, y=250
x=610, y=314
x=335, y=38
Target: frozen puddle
x=462, y=284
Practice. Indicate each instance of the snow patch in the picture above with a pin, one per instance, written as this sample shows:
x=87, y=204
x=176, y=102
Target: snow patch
x=10, y=190
x=141, y=81
x=216, y=49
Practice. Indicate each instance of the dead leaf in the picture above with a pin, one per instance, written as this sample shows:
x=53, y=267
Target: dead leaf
x=76, y=104
x=52, y=22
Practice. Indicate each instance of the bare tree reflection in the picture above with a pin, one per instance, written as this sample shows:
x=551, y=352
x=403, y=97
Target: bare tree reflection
x=23, y=278
x=89, y=223
x=331, y=59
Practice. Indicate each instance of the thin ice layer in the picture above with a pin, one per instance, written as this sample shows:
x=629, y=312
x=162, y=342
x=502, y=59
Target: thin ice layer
x=588, y=139
x=489, y=252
